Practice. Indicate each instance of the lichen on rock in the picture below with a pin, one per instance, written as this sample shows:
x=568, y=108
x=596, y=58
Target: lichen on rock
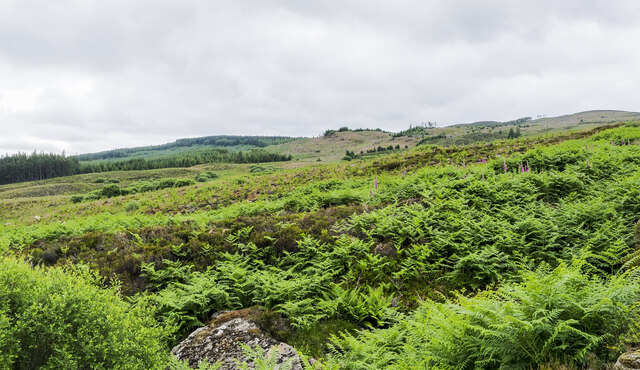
x=628, y=360
x=223, y=339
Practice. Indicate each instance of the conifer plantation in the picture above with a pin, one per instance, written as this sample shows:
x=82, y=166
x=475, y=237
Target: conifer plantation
x=36, y=166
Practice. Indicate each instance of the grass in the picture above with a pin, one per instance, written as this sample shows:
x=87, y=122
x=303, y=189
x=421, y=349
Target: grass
x=325, y=249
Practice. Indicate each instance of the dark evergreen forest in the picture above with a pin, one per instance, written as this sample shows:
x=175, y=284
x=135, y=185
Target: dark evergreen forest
x=40, y=166
x=186, y=159
x=220, y=141
x=36, y=166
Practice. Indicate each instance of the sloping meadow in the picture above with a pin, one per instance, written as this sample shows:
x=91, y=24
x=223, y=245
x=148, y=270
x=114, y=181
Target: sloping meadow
x=516, y=262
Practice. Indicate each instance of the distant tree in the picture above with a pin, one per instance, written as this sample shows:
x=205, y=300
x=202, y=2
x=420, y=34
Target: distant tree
x=518, y=134
x=328, y=133
x=511, y=134
x=36, y=166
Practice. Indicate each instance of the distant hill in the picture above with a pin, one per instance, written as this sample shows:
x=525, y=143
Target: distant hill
x=336, y=143
x=485, y=131
x=334, y=146
x=566, y=121
x=593, y=117
x=188, y=144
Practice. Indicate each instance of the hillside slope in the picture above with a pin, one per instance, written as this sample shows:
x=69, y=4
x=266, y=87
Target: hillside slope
x=356, y=246
x=334, y=146
x=594, y=117
x=486, y=131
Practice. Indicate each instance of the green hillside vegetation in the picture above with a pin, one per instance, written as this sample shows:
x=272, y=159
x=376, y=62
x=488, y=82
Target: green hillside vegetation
x=21, y=167
x=517, y=253
x=332, y=147
x=487, y=131
x=184, y=159
x=182, y=145
x=343, y=143
x=58, y=318
x=333, y=144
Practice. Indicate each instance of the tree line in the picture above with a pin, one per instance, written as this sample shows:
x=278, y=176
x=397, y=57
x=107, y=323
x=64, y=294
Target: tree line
x=36, y=166
x=23, y=167
x=186, y=159
x=220, y=141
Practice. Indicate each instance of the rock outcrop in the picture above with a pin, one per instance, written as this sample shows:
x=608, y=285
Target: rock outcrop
x=628, y=361
x=223, y=338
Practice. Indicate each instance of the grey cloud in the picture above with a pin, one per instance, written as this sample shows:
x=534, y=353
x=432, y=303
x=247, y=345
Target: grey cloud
x=91, y=75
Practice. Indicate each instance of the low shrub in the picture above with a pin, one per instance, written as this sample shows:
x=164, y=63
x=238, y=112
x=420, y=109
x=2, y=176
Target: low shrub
x=63, y=318
x=206, y=176
x=77, y=198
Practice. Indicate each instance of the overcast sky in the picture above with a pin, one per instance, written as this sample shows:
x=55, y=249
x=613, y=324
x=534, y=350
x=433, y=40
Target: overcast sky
x=85, y=76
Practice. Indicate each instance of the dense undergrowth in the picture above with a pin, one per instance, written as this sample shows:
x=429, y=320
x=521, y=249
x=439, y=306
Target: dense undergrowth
x=515, y=255
x=563, y=315
x=66, y=319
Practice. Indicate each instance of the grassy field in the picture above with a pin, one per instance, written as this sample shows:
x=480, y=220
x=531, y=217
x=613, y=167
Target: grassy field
x=519, y=253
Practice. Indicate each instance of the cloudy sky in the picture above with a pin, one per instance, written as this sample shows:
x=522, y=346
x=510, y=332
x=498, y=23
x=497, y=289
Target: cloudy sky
x=86, y=75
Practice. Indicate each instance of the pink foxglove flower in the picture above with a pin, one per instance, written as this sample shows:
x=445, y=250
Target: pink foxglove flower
x=375, y=183
x=622, y=141
x=505, y=166
x=588, y=166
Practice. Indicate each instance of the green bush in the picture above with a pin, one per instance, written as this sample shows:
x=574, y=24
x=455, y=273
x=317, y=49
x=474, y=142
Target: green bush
x=131, y=206
x=54, y=318
x=77, y=198
x=111, y=191
x=179, y=183
x=165, y=184
x=206, y=176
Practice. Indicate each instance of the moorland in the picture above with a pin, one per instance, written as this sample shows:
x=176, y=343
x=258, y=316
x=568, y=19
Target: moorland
x=486, y=245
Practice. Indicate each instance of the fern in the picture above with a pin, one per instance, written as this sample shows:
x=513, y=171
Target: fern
x=551, y=314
